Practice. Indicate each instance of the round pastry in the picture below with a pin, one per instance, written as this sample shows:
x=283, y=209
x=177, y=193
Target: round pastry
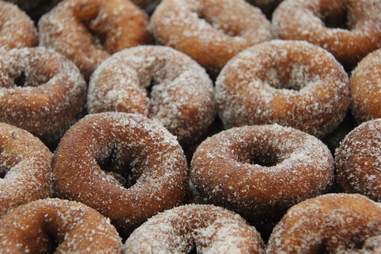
x=17, y=29
x=210, y=31
x=40, y=91
x=25, y=170
x=358, y=166
x=332, y=223
x=87, y=31
x=292, y=83
x=124, y=165
x=348, y=29
x=158, y=82
x=197, y=228
x=59, y=226
x=260, y=171
x=366, y=88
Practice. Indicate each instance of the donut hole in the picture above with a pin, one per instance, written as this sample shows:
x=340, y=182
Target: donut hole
x=20, y=80
x=228, y=29
x=264, y=160
x=291, y=77
x=265, y=157
x=117, y=164
x=337, y=17
x=53, y=241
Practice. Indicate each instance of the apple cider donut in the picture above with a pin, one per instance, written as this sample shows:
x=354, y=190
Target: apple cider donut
x=366, y=88
x=358, y=165
x=59, y=226
x=291, y=83
x=25, y=170
x=180, y=96
x=210, y=31
x=16, y=28
x=202, y=228
x=260, y=171
x=40, y=91
x=332, y=223
x=124, y=165
x=349, y=29
x=87, y=31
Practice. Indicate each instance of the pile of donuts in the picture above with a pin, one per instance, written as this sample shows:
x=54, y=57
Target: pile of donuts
x=190, y=126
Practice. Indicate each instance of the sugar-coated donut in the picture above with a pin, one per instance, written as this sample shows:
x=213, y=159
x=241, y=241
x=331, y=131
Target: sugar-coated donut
x=348, y=29
x=332, y=223
x=40, y=91
x=202, y=228
x=59, y=226
x=366, y=88
x=25, y=168
x=87, y=31
x=180, y=97
x=358, y=165
x=260, y=171
x=210, y=31
x=17, y=29
x=124, y=165
x=292, y=83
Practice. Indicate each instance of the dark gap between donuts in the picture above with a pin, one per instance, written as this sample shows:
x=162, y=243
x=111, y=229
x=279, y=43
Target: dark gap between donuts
x=3, y=168
x=20, y=80
x=193, y=249
x=338, y=20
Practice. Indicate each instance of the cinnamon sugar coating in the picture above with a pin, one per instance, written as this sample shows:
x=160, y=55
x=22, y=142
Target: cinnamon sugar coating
x=40, y=91
x=332, y=223
x=25, y=170
x=87, y=31
x=210, y=31
x=37, y=226
x=17, y=29
x=205, y=228
x=291, y=83
x=349, y=29
x=260, y=171
x=180, y=96
x=358, y=164
x=124, y=165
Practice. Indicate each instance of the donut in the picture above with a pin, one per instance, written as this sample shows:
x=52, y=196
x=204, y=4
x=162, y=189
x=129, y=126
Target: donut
x=59, y=226
x=201, y=228
x=358, y=167
x=210, y=31
x=158, y=82
x=348, y=29
x=25, y=170
x=40, y=91
x=124, y=165
x=259, y=171
x=17, y=29
x=332, y=223
x=365, y=88
x=87, y=31
x=291, y=83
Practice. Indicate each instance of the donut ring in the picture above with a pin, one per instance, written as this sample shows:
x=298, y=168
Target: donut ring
x=40, y=91
x=357, y=164
x=336, y=223
x=147, y=170
x=181, y=96
x=292, y=83
x=17, y=29
x=365, y=88
x=25, y=170
x=260, y=171
x=209, y=31
x=87, y=31
x=32, y=228
x=205, y=228
x=308, y=20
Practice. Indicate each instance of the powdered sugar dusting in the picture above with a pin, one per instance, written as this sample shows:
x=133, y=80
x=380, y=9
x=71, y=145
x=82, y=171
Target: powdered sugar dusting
x=181, y=95
x=287, y=82
x=207, y=228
